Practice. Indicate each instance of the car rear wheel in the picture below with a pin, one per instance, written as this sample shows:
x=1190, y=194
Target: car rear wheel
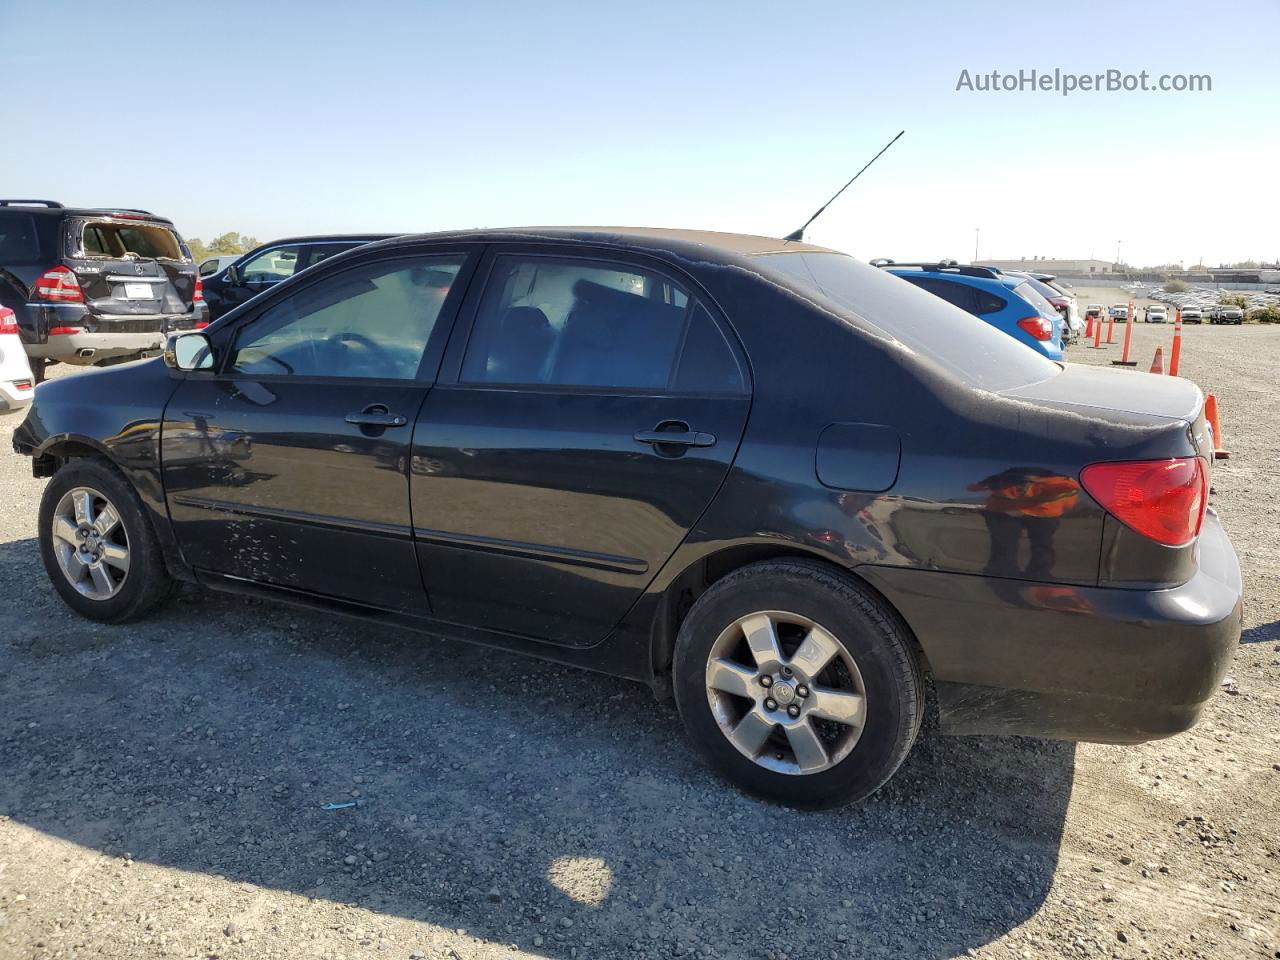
x=798, y=684
x=98, y=547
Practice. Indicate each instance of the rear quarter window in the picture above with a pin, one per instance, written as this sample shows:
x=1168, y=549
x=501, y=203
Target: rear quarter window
x=975, y=352
x=25, y=239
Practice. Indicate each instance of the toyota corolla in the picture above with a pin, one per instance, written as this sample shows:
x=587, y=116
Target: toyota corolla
x=760, y=475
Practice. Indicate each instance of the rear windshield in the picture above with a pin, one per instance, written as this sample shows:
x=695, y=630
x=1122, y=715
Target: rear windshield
x=118, y=241
x=972, y=349
x=22, y=237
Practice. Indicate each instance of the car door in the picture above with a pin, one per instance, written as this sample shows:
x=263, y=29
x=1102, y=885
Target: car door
x=583, y=425
x=288, y=463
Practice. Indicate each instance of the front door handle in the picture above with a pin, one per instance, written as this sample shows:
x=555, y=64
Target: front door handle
x=376, y=415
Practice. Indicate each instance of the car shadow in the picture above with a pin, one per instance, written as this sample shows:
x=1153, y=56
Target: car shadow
x=503, y=796
x=1262, y=633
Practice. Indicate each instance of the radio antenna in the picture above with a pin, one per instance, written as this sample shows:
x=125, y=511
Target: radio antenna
x=799, y=234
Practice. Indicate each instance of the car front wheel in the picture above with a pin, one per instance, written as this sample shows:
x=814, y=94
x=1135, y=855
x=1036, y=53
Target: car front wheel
x=798, y=684
x=98, y=547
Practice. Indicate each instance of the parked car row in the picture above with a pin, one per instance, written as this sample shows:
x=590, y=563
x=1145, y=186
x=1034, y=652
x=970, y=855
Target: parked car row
x=96, y=286
x=1022, y=306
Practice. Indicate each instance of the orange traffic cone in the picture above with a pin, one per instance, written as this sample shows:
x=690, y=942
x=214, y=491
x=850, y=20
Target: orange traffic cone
x=1157, y=365
x=1215, y=423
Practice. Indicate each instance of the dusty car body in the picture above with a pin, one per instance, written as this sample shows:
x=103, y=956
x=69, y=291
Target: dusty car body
x=829, y=442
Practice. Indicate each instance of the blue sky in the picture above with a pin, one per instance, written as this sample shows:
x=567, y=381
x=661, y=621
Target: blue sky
x=319, y=117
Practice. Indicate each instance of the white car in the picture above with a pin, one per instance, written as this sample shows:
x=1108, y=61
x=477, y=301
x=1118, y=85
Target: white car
x=1157, y=315
x=17, y=385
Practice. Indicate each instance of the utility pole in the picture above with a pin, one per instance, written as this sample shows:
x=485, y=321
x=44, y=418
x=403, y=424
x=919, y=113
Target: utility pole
x=977, y=231
x=1118, y=242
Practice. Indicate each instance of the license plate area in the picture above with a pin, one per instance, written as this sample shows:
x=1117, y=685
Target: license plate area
x=138, y=291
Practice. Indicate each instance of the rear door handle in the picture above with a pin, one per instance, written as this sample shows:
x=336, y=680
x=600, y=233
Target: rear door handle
x=689, y=438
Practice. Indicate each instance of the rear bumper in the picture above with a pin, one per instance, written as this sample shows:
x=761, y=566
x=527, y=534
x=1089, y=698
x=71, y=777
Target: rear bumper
x=11, y=398
x=106, y=336
x=85, y=348
x=1074, y=663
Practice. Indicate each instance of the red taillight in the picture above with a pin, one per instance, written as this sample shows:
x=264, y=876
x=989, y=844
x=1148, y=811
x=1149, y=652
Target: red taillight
x=22, y=384
x=198, y=295
x=65, y=331
x=1161, y=499
x=1038, y=327
x=8, y=321
x=59, y=285
x=202, y=324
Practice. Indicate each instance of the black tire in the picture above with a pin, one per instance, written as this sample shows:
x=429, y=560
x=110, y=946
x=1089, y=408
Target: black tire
x=146, y=584
x=871, y=633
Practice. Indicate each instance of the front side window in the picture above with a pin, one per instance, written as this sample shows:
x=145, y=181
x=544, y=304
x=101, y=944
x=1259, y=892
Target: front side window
x=270, y=266
x=586, y=323
x=371, y=321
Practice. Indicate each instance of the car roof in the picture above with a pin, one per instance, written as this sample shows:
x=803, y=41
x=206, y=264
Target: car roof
x=1002, y=279
x=51, y=208
x=330, y=238
x=689, y=243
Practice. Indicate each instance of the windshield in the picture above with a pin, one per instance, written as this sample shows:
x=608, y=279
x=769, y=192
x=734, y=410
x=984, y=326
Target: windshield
x=118, y=241
x=972, y=349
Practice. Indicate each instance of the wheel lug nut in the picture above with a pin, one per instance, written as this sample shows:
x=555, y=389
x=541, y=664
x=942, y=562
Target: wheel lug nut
x=766, y=681
x=771, y=704
x=793, y=710
x=802, y=691
x=786, y=671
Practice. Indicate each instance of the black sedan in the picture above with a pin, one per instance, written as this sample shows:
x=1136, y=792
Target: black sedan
x=761, y=475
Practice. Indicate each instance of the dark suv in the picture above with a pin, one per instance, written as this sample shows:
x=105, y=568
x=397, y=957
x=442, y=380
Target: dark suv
x=780, y=483
x=229, y=285
x=94, y=285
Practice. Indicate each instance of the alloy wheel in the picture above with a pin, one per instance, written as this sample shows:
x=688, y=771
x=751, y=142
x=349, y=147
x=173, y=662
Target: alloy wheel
x=90, y=543
x=786, y=692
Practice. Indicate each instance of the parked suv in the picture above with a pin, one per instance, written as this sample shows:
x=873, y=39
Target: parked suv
x=231, y=284
x=1226, y=313
x=1007, y=302
x=94, y=286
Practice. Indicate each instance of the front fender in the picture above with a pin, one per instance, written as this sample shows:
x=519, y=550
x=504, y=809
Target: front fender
x=114, y=412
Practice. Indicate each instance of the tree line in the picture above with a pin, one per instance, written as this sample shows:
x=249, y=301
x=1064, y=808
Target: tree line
x=224, y=244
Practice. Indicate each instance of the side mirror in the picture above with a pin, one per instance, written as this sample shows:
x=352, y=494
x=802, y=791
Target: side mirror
x=189, y=351
x=233, y=276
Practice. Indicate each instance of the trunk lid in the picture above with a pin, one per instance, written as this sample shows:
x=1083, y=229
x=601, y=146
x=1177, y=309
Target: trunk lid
x=1097, y=388
x=131, y=268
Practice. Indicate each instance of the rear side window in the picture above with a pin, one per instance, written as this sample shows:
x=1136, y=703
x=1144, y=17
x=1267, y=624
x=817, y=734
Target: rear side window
x=586, y=323
x=118, y=241
x=972, y=350
x=20, y=241
x=957, y=293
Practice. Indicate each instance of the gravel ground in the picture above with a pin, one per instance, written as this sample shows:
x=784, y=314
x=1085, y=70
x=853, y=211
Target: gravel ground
x=160, y=790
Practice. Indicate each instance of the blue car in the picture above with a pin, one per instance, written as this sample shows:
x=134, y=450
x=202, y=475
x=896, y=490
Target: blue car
x=1008, y=303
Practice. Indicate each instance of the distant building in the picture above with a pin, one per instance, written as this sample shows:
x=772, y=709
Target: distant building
x=1078, y=268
